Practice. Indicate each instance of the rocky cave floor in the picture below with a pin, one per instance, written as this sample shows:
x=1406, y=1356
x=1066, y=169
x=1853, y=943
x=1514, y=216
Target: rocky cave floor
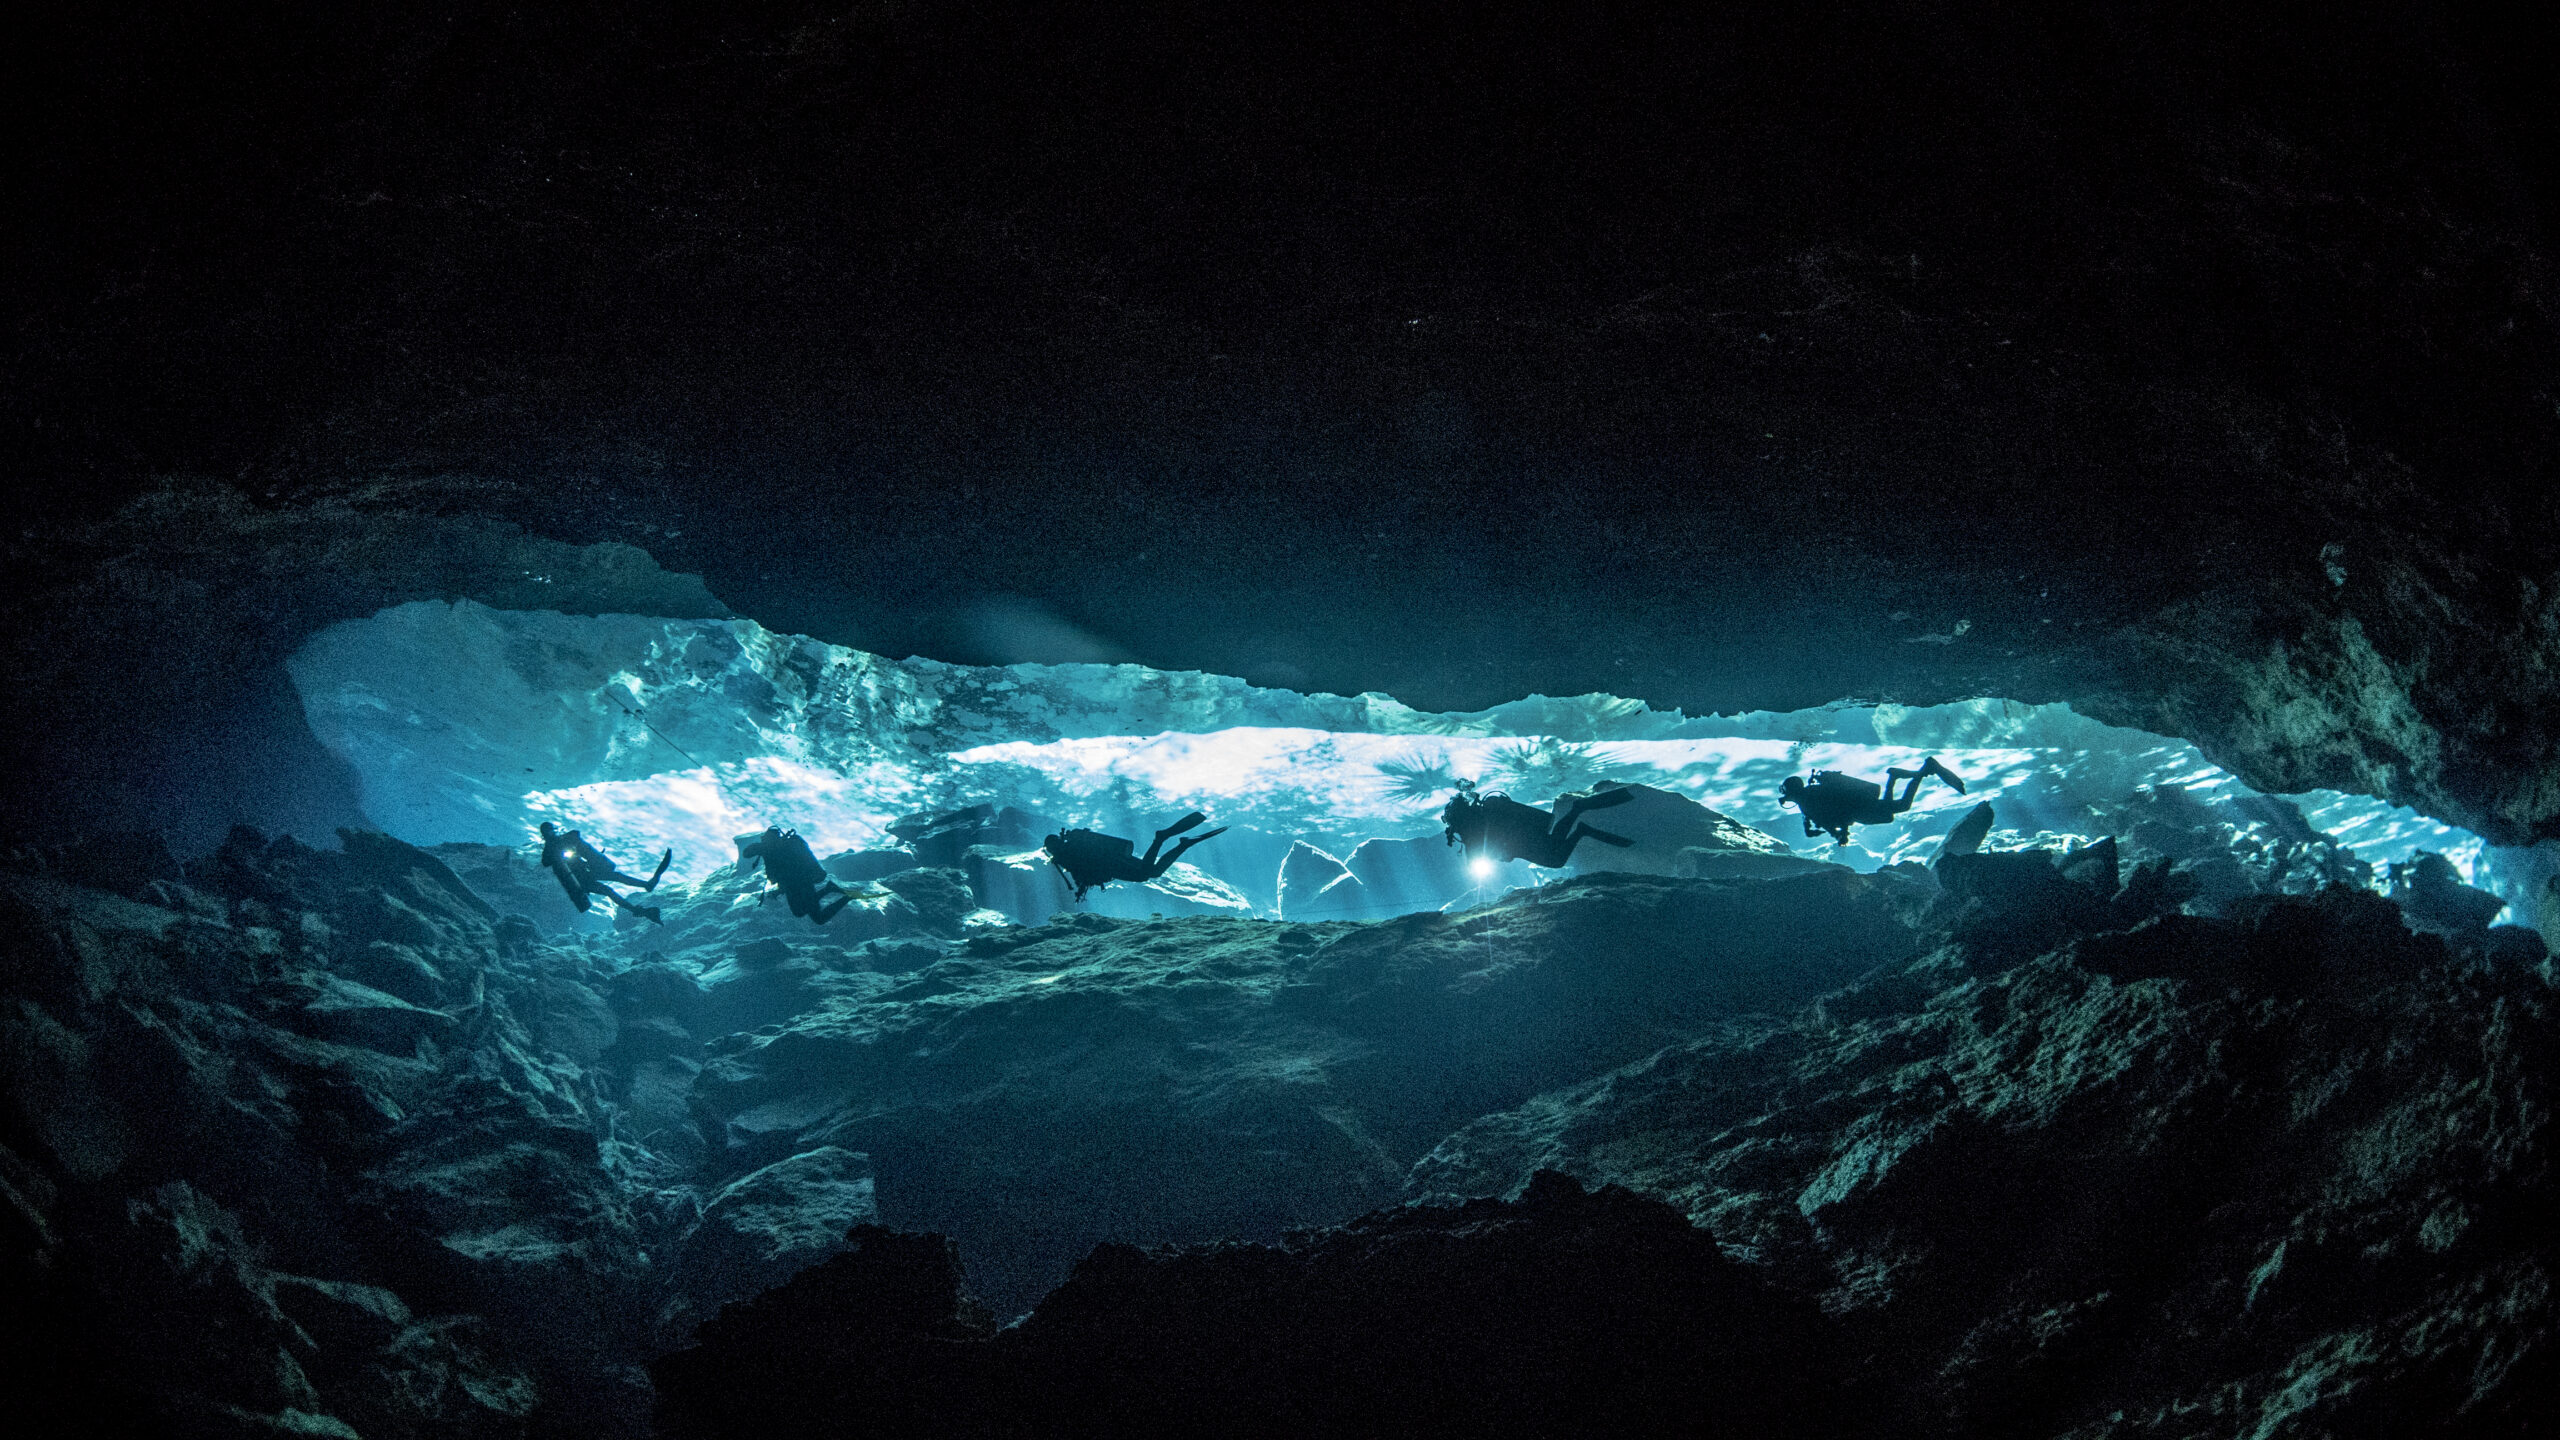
x=367, y=1141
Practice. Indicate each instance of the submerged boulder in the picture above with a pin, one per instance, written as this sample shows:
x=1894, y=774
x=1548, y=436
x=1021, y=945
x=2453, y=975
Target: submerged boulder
x=759, y=1230
x=1185, y=889
x=941, y=839
x=1664, y=827
x=1400, y=877
x=858, y=867
x=1021, y=885
x=1316, y=886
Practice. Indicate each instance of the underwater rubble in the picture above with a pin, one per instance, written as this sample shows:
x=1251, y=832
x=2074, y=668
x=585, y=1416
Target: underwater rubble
x=386, y=1140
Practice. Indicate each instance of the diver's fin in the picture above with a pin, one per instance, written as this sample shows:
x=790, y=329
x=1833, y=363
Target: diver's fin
x=1607, y=798
x=1605, y=838
x=1931, y=766
x=1185, y=823
x=660, y=873
x=652, y=912
x=1174, y=856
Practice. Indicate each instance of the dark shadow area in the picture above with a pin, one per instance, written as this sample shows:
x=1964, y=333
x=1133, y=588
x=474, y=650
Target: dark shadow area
x=242, y=759
x=1556, y=1313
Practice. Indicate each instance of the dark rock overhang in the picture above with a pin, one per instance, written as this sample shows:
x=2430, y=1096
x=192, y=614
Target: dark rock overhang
x=2195, y=367
x=2423, y=677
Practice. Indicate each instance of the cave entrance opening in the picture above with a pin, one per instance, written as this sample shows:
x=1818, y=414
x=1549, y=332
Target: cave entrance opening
x=470, y=725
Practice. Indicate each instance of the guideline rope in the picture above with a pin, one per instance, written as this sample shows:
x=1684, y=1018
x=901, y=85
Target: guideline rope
x=662, y=735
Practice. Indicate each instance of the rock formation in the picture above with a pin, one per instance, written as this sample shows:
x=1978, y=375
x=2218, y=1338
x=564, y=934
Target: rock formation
x=2145, y=1174
x=2270, y=1174
x=453, y=1169
x=2033, y=1140
x=1556, y=1313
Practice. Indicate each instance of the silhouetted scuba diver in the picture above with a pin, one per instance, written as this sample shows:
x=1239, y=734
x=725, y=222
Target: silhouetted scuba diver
x=583, y=871
x=1834, y=802
x=1512, y=831
x=1088, y=859
x=794, y=870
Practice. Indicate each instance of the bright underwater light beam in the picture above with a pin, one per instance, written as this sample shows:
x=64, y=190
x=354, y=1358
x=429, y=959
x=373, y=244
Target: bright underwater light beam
x=1481, y=867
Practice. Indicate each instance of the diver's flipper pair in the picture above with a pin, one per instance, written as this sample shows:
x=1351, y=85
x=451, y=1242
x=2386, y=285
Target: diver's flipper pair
x=1176, y=828
x=1187, y=842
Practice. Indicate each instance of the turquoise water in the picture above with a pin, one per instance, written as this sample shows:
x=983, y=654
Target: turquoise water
x=464, y=723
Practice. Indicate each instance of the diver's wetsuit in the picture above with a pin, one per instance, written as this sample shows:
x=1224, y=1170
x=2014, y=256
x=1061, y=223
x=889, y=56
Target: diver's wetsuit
x=1834, y=802
x=794, y=870
x=583, y=870
x=1089, y=859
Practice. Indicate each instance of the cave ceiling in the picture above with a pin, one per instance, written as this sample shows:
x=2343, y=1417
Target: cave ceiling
x=2194, y=364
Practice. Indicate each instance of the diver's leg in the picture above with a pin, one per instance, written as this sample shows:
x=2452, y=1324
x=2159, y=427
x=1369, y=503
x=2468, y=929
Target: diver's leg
x=1169, y=861
x=1602, y=801
x=1167, y=833
x=826, y=913
x=1564, y=823
x=1911, y=786
x=1557, y=850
